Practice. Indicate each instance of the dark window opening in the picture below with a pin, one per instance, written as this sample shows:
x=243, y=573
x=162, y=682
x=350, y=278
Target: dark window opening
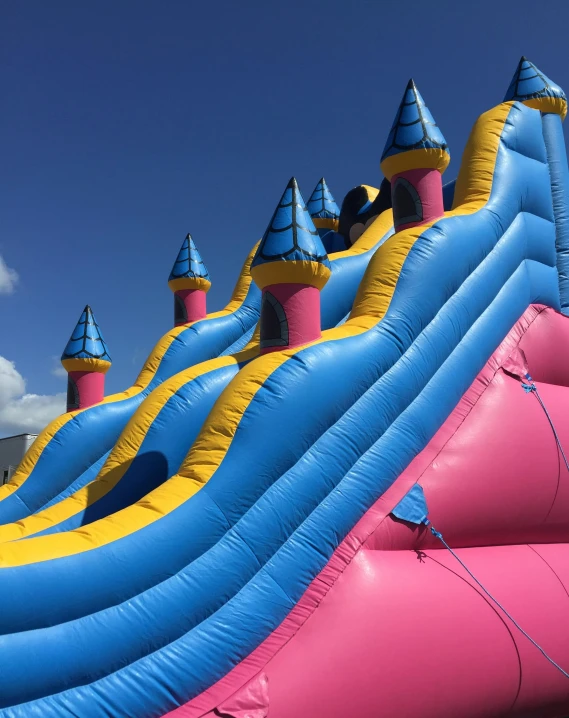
x=274, y=325
x=407, y=205
x=180, y=314
x=72, y=394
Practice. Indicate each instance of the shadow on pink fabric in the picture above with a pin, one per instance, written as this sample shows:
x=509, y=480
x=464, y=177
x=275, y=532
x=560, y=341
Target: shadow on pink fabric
x=494, y=456
x=251, y=701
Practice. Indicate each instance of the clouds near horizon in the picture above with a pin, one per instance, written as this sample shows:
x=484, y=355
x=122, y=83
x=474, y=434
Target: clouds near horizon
x=21, y=412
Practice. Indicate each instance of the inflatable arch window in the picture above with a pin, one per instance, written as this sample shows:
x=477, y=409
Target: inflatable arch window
x=180, y=314
x=72, y=395
x=274, y=324
x=407, y=205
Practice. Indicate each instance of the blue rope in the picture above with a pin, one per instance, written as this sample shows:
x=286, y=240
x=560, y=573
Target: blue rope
x=438, y=535
x=531, y=388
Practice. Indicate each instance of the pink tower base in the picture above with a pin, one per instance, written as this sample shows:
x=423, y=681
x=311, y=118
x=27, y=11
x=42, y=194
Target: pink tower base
x=189, y=306
x=300, y=309
x=428, y=184
x=85, y=388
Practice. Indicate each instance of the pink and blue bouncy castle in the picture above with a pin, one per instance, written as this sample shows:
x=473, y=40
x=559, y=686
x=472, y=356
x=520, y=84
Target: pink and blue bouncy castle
x=329, y=515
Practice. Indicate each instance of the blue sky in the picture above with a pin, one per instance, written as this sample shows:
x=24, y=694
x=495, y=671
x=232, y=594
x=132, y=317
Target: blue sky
x=127, y=124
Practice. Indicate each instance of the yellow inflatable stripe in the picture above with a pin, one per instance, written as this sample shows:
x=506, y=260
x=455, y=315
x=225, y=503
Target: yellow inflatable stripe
x=113, y=469
x=296, y=271
x=473, y=188
x=555, y=105
x=190, y=283
x=472, y=191
x=116, y=526
x=372, y=192
x=150, y=368
x=122, y=456
x=369, y=238
x=86, y=364
x=237, y=299
x=216, y=436
x=433, y=158
x=144, y=378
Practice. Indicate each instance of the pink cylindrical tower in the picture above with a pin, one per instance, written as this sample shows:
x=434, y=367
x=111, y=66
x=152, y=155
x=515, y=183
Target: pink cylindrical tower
x=86, y=360
x=189, y=280
x=290, y=267
x=415, y=156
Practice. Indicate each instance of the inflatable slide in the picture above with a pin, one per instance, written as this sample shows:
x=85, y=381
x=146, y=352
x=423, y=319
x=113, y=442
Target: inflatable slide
x=67, y=473
x=373, y=518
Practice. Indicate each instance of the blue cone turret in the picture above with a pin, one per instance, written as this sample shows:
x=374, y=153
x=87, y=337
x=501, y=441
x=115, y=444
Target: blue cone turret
x=536, y=90
x=189, y=280
x=291, y=235
x=323, y=209
x=291, y=267
x=189, y=264
x=414, y=141
x=86, y=360
x=86, y=341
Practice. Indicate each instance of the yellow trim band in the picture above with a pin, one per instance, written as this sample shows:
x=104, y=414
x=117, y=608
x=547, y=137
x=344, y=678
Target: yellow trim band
x=555, y=105
x=314, y=274
x=431, y=158
x=189, y=283
x=326, y=223
x=134, y=433
x=144, y=378
x=372, y=192
x=374, y=297
x=86, y=364
x=217, y=434
x=123, y=454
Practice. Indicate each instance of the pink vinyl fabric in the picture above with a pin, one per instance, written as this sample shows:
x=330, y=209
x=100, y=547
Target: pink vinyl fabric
x=429, y=186
x=195, y=302
x=393, y=625
x=90, y=387
x=301, y=305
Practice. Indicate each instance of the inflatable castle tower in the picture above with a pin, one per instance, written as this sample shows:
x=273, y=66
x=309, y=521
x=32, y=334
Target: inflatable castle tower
x=323, y=209
x=86, y=360
x=189, y=280
x=290, y=267
x=413, y=160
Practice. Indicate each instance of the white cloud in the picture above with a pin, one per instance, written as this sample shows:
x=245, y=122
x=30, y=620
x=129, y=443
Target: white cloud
x=21, y=412
x=58, y=370
x=8, y=278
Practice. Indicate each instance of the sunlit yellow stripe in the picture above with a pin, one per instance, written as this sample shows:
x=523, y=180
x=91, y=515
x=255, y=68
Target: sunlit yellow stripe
x=325, y=223
x=134, y=433
x=294, y=271
x=216, y=436
x=189, y=283
x=432, y=158
x=123, y=454
x=555, y=105
x=144, y=378
x=372, y=192
x=86, y=364
x=364, y=244
x=472, y=191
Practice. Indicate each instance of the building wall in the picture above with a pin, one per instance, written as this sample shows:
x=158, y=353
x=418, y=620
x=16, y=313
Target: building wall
x=12, y=450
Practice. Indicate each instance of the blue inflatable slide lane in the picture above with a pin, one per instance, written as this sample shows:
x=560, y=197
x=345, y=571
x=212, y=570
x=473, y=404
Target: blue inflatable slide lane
x=140, y=612
x=159, y=434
